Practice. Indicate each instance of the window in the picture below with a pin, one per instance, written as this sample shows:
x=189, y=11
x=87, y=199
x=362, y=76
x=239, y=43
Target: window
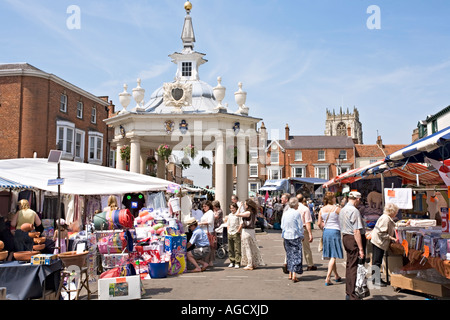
x=94, y=115
x=80, y=110
x=434, y=126
x=298, y=172
x=112, y=158
x=298, y=156
x=342, y=169
x=253, y=153
x=341, y=129
x=65, y=137
x=321, y=155
x=253, y=170
x=321, y=172
x=186, y=69
x=343, y=154
x=422, y=131
x=79, y=145
x=253, y=187
x=274, y=174
x=95, y=147
x=63, y=103
x=274, y=157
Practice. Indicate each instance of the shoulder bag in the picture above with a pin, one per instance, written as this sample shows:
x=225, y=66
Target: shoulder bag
x=321, y=238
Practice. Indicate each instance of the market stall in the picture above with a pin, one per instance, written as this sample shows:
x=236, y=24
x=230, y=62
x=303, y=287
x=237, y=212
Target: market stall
x=85, y=190
x=420, y=260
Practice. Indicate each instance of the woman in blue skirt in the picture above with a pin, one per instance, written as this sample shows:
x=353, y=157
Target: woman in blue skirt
x=332, y=244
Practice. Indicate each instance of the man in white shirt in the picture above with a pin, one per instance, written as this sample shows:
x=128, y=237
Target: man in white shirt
x=308, y=237
x=235, y=199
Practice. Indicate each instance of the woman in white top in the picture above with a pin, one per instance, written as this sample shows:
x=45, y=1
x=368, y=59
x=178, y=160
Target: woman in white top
x=332, y=244
x=207, y=225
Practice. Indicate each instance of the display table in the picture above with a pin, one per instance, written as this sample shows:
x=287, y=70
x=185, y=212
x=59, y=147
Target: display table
x=25, y=281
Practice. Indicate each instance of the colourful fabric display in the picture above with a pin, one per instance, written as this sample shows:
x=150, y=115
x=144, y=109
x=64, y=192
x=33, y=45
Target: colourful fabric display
x=116, y=243
x=117, y=219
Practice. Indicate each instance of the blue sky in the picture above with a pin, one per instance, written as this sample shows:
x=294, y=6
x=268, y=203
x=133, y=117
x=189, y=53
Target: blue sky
x=295, y=58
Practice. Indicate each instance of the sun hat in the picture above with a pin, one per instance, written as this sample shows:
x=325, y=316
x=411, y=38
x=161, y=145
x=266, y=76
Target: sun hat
x=190, y=221
x=354, y=194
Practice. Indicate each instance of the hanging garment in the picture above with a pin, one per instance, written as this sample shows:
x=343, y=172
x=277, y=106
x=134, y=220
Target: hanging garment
x=402, y=197
x=49, y=208
x=30, y=196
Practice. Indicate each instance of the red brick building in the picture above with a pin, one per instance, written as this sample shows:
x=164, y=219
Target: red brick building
x=309, y=156
x=40, y=112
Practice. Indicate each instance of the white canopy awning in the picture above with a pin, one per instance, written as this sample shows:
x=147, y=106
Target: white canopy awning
x=79, y=178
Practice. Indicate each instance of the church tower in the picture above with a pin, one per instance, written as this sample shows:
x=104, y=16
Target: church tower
x=344, y=124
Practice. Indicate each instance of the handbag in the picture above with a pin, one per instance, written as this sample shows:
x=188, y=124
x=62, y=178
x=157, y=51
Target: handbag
x=212, y=240
x=361, y=288
x=321, y=238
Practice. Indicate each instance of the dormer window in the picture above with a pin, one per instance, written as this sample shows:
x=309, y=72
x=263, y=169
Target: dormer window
x=186, y=69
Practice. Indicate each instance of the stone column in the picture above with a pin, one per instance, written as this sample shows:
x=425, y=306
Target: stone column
x=161, y=168
x=120, y=164
x=135, y=155
x=226, y=205
x=242, y=169
x=221, y=172
x=143, y=167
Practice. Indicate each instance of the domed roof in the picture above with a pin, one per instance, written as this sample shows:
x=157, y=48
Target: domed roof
x=203, y=100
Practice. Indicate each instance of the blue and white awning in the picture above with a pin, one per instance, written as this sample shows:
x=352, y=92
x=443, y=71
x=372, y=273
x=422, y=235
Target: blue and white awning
x=435, y=146
x=9, y=184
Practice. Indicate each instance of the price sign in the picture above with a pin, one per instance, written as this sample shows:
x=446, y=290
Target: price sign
x=426, y=251
x=405, y=246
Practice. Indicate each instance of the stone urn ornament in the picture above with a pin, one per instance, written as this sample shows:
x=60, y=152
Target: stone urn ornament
x=240, y=97
x=219, y=94
x=125, y=99
x=138, y=96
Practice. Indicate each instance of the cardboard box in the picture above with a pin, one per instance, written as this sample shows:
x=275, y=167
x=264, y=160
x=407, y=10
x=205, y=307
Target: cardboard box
x=409, y=282
x=121, y=288
x=394, y=264
x=43, y=258
x=175, y=243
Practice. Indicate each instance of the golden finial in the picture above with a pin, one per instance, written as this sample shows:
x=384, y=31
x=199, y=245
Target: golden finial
x=188, y=6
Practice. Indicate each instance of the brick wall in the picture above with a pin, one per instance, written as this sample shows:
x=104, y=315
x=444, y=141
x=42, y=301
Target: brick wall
x=29, y=109
x=10, y=100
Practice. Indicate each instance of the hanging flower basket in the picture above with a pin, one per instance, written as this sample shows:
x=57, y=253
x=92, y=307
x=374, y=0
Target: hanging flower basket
x=185, y=163
x=204, y=163
x=151, y=161
x=125, y=153
x=190, y=151
x=164, y=151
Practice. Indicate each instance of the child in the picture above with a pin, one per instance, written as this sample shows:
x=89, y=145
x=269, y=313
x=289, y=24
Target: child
x=61, y=224
x=234, y=226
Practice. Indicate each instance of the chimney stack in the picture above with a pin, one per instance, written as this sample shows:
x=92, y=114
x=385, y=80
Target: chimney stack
x=379, y=142
x=286, y=132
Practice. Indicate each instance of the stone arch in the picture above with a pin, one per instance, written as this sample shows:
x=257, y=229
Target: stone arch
x=341, y=129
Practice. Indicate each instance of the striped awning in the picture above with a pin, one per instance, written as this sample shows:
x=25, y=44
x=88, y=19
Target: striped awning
x=352, y=175
x=416, y=172
x=9, y=184
x=435, y=146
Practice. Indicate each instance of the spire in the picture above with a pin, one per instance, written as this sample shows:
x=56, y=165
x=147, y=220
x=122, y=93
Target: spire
x=187, y=34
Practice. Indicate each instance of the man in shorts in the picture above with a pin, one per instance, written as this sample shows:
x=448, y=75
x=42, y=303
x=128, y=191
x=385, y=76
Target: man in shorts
x=201, y=252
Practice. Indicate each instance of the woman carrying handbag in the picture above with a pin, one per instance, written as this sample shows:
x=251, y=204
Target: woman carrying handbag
x=331, y=238
x=207, y=225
